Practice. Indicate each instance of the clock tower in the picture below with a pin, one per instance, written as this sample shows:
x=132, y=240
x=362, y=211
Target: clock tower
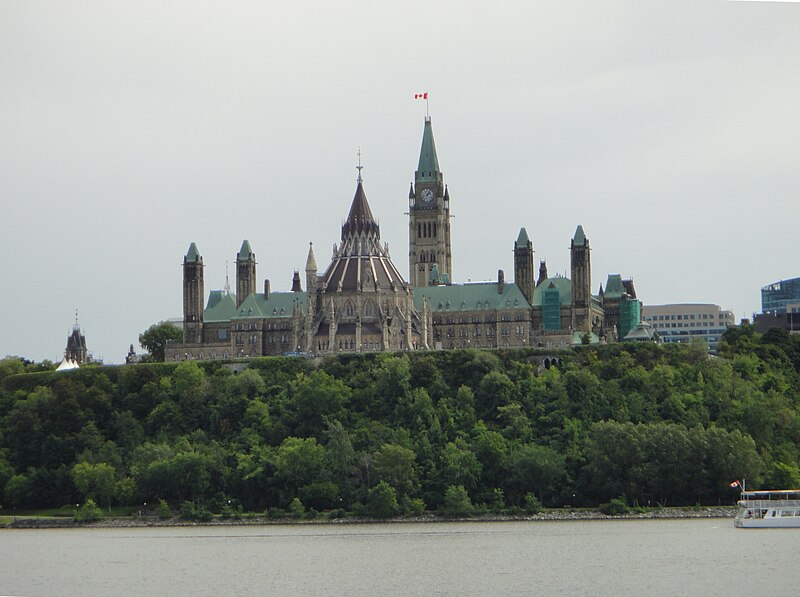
x=429, y=219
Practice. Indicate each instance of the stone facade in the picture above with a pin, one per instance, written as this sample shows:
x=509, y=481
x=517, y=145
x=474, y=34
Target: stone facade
x=362, y=303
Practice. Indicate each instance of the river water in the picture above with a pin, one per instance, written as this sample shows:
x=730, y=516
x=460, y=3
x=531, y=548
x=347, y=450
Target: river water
x=626, y=557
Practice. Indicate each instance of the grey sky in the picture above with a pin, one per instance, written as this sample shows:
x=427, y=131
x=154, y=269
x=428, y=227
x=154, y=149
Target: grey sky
x=669, y=130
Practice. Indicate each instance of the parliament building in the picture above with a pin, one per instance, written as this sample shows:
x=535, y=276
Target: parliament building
x=361, y=302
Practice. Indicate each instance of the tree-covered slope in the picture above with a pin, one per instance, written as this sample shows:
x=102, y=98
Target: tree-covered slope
x=400, y=432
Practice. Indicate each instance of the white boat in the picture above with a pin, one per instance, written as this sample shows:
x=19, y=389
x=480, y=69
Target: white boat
x=769, y=509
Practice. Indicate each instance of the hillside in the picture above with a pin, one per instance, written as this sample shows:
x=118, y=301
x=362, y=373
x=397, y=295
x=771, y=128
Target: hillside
x=384, y=433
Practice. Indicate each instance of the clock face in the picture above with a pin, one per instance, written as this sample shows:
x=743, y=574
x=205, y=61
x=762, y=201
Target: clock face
x=427, y=195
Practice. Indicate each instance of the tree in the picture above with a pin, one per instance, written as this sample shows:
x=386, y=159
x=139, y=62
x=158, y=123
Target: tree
x=95, y=481
x=382, y=501
x=395, y=465
x=155, y=338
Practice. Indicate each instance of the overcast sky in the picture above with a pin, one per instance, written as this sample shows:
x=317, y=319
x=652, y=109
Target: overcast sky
x=669, y=130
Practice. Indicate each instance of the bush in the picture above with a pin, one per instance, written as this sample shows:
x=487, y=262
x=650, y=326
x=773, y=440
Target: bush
x=382, y=501
x=197, y=513
x=296, y=508
x=275, y=513
x=163, y=510
x=337, y=514
x=456, y=501
x=615, y=507
x=89, y=512
x=532, y=504
x=412, y=506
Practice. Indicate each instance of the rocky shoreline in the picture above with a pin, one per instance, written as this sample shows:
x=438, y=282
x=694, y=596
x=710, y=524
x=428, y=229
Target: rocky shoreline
x=549, y=515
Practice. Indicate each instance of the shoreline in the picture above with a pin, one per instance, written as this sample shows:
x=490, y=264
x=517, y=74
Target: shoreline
x=547, y=516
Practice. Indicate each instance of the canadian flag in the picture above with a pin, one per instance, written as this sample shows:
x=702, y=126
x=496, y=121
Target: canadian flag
x=733, y=484
x=421, y=95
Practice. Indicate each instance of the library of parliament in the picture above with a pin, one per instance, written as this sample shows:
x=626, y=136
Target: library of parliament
x=361, y=302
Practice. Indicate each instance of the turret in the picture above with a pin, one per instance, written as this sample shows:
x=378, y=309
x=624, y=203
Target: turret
x=245, y=273
x=581, y=266
x=193, y=294
x=523, y=264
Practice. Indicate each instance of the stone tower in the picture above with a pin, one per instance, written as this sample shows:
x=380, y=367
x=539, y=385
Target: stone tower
x=193, y=294
x=523, y=264
x=245, y=273
x=76, y=345
x=429, y=217
x=581, y=268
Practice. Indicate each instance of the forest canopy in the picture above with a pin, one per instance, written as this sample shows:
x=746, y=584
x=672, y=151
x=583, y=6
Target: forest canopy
x=384, y=434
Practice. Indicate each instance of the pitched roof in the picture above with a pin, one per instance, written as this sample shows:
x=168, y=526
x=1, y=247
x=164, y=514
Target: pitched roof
x=564, y=286
x=192, y=255
x=522, y=239
x=470, y=297
x=428, y=167
x=579, y=238
x=279, y=304
x=221, y=306
x=360, y=218
x=245, y=251
x=614, y=286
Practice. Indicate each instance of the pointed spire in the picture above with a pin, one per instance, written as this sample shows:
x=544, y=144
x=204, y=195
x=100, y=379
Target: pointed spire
x=245, y=251
x=192, y=255
x=296, y=287
x=580, y=238
x=522, y=239
x=411, y=191
x=311, y=262
x=428, y=168
x=227, y=288
x=360, y=218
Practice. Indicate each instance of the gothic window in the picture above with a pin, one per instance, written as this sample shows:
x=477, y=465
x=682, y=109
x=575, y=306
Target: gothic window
x=419, y=230
x=349, y=309
x=434, y=230
x=369, y=309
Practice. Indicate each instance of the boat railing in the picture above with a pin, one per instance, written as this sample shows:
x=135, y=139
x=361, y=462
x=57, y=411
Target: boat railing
x=771, y=503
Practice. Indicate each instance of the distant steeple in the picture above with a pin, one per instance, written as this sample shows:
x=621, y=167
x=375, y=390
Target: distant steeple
x=245, y=272
x=193, y=295
x=360, y=219
x=542, y=272
x=428, y=168
x=311, y=261
x=579, y=238
x=296, y=287
x=523, y=264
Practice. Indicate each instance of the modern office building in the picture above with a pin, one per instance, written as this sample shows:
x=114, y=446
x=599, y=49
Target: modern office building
x=779, y=297
x=780, y=306
x=683, y=322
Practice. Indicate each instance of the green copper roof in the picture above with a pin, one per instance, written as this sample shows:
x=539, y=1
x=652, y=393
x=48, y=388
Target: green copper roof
x=279, y=304
x=614, y=287
x=522, y=239
x=470, y=297
x=192, y=255
x=564, y=286
x=428, y=168
x=221, y=307
x=245, y=251
x=580, y=237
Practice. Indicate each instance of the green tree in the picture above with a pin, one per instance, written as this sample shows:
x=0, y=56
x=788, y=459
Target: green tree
x=382, y=501
x=95, y=481
x=155, y=338
x=456, y=501
x=395, y=465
